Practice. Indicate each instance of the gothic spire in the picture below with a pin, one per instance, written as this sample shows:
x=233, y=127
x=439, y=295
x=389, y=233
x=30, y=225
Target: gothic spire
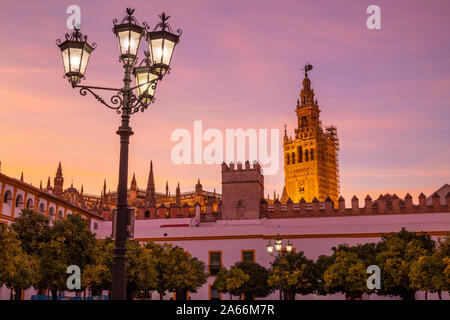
x=198, y=187
x=167, y=188
x=307, y=94
x=150, y=192
x=59, y=170
x=178, y=195
x=58, y=182
x=133, y=182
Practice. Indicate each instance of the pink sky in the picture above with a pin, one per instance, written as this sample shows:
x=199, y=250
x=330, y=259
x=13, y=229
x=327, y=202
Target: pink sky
x=237, y=66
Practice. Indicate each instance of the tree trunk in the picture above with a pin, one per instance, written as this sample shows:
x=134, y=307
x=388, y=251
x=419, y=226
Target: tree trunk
x=181, y=295
x=289, y=295
x=353, y=295
x=440, y=294
x=130, y=294
x=18, y=294
x=409, y=295
x=54, y=295
x=426, y=295
x=160, y=295
x=11, y=294
x=231, y=298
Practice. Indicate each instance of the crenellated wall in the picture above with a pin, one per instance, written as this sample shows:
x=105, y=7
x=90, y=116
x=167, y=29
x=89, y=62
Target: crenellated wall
x=387, y=204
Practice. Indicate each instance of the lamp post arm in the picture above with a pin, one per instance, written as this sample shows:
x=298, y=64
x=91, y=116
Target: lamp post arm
x=96, y=88
x=154, y=81
x=116, y=100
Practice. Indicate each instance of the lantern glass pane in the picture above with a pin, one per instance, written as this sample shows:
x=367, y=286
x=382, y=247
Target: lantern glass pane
x=162, y=50
x=143, y=78
x=135, y=39
x=129, y=42
x=65, y=56
x=84, y=62
x=75, y=59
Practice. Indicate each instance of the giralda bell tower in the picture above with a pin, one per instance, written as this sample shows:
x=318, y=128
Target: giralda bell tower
x=311, y=157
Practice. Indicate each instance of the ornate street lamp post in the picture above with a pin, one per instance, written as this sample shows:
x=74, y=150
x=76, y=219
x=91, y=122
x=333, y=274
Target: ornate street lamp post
x=75, y=52
x=279, y=249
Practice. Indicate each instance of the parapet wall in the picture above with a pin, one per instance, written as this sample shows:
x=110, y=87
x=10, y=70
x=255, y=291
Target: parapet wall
x=235, y=173
x=383, y=205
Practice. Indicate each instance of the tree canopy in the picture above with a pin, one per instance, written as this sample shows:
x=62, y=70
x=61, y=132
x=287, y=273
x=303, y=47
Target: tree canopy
x=397, y=253
x=228, y=281
x=297, y=274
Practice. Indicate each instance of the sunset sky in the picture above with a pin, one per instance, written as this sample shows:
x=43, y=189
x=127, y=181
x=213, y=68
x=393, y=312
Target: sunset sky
x=237, y=66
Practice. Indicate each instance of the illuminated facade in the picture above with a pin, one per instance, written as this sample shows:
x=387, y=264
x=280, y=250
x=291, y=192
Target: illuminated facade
x=311, y=157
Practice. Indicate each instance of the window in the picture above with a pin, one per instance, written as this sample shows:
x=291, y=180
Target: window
x=60, y=214
x=288, y=159
x=147, y=213
x=312, y=154
x=240, y=204
x=306, y=155
x=30, y=204
x=42, y=207
x=304, y=122
x=19, y=201
x=293, y=157
x=7, y=197
x=214, y=294
x=300, y=154
x=95, y=225
x=248, y=255
x=215, y=261
x=51, y=212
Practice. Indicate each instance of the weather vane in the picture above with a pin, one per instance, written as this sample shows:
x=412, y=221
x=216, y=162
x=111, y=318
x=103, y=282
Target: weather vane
x=307, y=68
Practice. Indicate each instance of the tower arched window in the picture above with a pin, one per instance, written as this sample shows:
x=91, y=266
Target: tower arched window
x=42, y=207
x=7, y=196
x=306, y=155
x=300, y=154
x=304, y=122
x=288, y=159
x=19, y=201
x=293, y=157
x=312, y=154
x=30, y=204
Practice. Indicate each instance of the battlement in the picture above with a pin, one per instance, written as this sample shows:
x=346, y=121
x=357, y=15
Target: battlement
x=242, y=173
x=239, y=167
x=387, y=204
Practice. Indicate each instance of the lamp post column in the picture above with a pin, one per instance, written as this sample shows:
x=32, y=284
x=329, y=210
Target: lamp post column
x=280, y=286
x=124, y=131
